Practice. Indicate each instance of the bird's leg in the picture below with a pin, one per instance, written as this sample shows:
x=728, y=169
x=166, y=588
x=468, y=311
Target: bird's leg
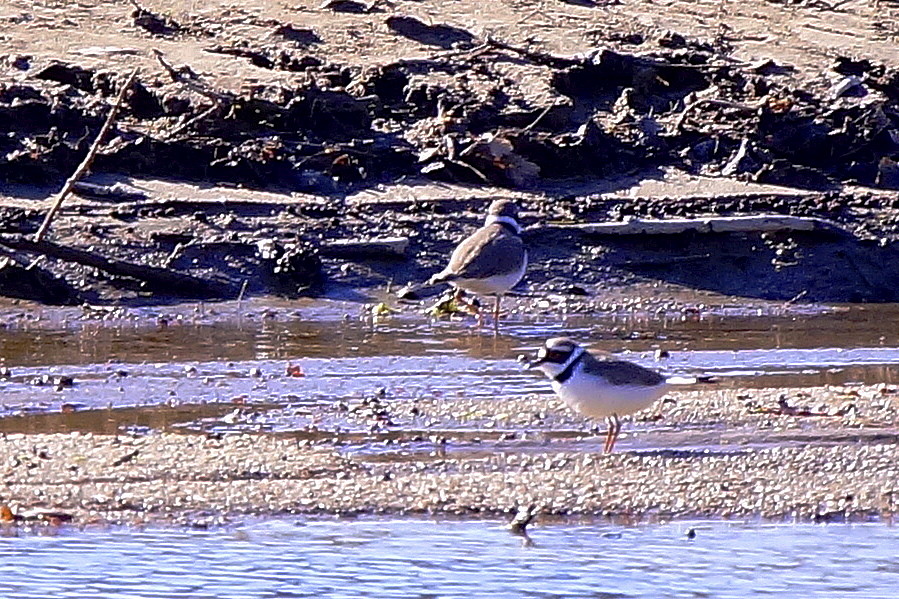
x=609, y=429
x=496, y=305
x=459, y=298
x=614, y=431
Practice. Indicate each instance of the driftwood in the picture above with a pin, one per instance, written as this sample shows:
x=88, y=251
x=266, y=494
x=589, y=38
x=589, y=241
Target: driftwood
x=88, y=159
x=159, y=279
x=762, y=223
x=117, y=192
x=386, y=247
x=537, y=57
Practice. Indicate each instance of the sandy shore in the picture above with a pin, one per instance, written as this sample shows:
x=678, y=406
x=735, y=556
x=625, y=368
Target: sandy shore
x=761, y=464
x=722, y=109
x=376, y=137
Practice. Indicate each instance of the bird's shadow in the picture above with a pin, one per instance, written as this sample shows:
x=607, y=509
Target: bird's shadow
x=685, y=454
x=444, y=36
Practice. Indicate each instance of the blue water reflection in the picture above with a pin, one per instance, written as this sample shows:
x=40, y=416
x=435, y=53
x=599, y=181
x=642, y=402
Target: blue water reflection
x=455, y=559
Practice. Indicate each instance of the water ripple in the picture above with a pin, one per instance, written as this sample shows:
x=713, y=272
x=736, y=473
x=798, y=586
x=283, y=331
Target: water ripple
x=450, y=559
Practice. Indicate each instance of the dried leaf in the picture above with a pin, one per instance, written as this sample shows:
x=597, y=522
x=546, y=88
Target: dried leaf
x=6, y=514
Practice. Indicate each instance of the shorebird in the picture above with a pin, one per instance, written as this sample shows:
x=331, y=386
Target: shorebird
x=599, y=386
x=491, y=260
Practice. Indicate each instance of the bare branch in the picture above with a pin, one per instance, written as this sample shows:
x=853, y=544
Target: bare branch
x=88, y=159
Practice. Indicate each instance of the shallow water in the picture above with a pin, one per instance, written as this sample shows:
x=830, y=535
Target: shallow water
x=275, y=329
x=176, y=358
x=448, y=559
x=206, y=368
x=186, y=367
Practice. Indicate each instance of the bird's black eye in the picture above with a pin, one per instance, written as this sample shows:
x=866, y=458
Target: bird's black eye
x=557, y=356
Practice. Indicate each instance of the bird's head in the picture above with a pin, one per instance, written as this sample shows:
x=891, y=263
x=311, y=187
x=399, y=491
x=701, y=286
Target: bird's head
x=554, y=356
x=503, y=212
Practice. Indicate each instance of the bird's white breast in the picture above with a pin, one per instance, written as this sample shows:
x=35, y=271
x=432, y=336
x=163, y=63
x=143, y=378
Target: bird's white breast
x=595, y=397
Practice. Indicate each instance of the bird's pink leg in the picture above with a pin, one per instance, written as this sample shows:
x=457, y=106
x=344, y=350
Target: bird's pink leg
x=609, y=432
x=614, y=431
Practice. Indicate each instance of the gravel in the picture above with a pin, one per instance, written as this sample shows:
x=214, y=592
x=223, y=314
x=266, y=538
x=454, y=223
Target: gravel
x=756, y=465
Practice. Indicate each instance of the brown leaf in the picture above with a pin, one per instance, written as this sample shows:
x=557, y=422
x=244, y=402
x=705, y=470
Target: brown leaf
x=6, y=514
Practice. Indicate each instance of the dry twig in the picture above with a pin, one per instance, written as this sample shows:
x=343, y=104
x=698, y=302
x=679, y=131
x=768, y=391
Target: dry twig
x=178, y=76
x=155, y=278
x=220, y=99
x=88, y=159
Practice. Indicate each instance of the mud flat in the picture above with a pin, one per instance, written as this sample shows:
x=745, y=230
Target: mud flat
x=830, y=456
x=207, y=414
x=262, y=149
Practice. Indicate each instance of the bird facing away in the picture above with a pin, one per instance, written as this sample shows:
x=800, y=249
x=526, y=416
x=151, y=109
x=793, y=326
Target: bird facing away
x=491, y=260
x=599, y=387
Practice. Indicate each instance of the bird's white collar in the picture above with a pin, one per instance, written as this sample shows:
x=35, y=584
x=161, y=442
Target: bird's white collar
x=553, y=370
x=494, y=219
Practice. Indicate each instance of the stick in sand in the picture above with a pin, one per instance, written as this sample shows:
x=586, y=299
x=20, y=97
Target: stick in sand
x=88, y=160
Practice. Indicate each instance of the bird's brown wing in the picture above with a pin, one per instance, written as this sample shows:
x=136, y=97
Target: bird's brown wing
x=621, y=372
x=489, y=251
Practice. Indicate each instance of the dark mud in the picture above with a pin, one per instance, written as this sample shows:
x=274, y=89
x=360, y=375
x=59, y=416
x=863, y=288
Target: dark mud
x=160, y=250
x=479, y=114
x=602, y=113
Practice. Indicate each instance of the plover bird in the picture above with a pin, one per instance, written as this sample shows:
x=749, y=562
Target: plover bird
x=598, y=386
x=491, y=260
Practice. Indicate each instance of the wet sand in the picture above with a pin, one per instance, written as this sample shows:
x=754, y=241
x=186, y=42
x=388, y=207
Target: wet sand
x=190, y=437
x=186, y=415
x=712, y=454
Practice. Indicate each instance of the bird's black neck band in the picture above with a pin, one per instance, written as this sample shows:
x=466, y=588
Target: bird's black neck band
x=569, y=370
x=507, y=226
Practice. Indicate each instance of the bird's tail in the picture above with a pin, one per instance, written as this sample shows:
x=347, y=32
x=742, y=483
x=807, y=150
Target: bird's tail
x=691, y=380
x=411, y=290
x=441, y=277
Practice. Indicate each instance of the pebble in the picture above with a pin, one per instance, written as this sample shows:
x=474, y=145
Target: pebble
x=749, y=473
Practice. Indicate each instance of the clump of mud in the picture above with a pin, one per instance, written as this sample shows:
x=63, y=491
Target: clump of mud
x=459, y=116
x=476, y=112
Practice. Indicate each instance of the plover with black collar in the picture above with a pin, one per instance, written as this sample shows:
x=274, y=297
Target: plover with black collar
x=599, y=386
x=491, y=260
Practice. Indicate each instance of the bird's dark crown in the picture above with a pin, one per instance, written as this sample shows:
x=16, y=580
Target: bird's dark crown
x=503, y=208
x=557, y=350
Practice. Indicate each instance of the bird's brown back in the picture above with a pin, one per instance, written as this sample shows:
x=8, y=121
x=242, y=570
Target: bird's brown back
x=620, y=372
x=490, y=250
